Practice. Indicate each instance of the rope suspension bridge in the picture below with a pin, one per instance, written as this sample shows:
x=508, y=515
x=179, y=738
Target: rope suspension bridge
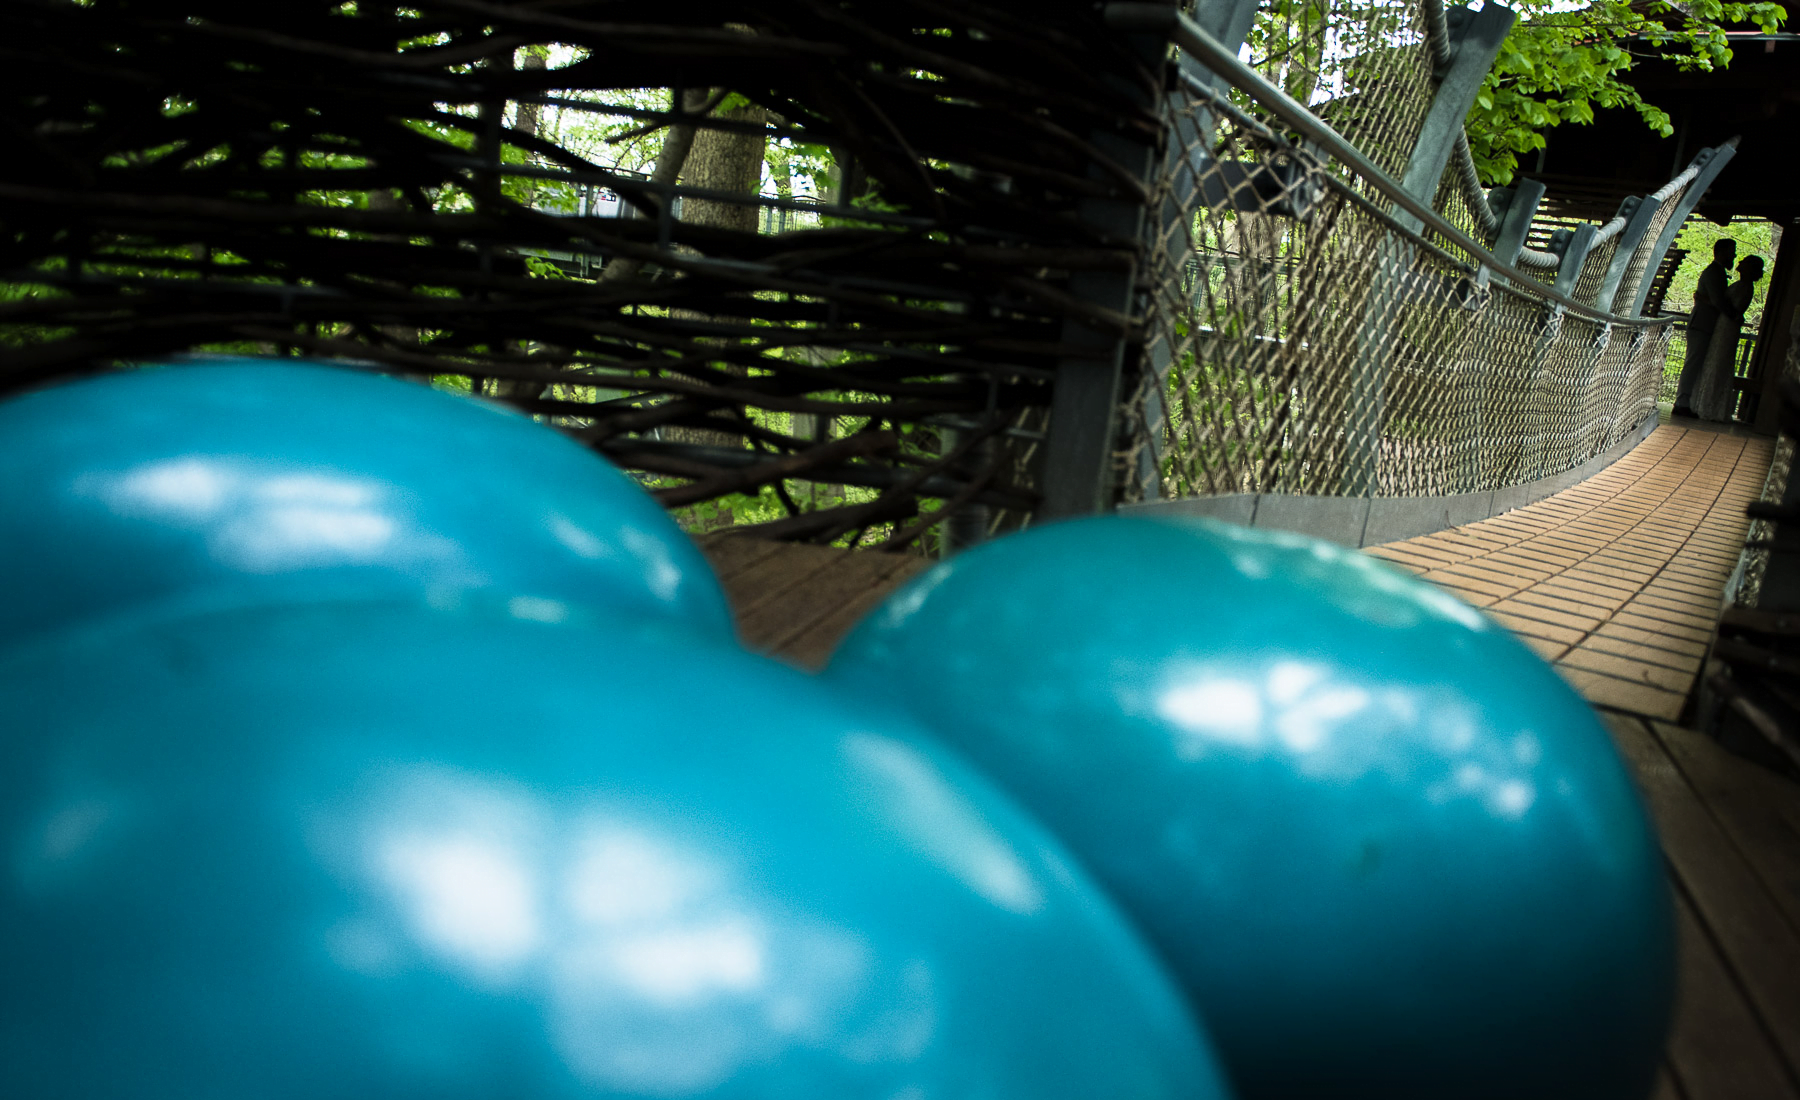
x=1196, y=259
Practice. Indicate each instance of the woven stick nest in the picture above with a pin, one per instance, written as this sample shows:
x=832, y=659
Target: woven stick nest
x=341, y=180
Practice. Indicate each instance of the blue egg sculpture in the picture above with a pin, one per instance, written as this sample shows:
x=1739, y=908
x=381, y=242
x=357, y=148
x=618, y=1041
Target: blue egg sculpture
x=249, y=482
x=1388, y=852
x=383, y=851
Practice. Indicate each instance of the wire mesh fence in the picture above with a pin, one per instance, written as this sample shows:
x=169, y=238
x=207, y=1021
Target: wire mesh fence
x=1301, y=338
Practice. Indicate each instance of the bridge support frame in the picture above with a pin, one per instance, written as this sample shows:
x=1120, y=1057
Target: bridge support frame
x=1078, y=458
x=1709, y=163
x=1475, y=38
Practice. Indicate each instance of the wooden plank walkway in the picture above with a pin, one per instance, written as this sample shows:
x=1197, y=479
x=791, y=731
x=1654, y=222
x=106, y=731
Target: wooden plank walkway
x=1731, y=832
x=797, y=602
x=1617, y=582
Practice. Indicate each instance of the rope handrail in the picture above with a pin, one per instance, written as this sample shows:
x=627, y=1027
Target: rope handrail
x=1468, y=179
x=1437, y=32
x=1675, y=186
x=1610, y=230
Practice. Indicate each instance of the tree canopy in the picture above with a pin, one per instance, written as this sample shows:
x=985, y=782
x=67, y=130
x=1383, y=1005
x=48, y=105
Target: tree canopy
x=1561, y=62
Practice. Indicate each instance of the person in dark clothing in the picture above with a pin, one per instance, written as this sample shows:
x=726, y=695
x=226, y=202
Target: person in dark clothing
x=1715, y=395
x=1710, y=301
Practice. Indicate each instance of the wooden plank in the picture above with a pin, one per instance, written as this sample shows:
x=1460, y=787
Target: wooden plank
x=1759, y=809
x=812, y=647
x=764, y=624
x=1718, y=1049
x=796, y=601
x=789, y=567
x=1610, y=691
x=730, y=555
x=1753, y=936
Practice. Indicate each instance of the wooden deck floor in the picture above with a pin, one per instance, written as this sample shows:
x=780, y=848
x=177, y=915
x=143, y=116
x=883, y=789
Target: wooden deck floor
x=1731, y=832
x=1617, y=582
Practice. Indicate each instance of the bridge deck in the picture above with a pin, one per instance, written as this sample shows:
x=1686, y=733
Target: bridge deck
x=1618, y=582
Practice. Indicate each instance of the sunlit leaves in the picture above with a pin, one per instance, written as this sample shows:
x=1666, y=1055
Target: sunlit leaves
x=1559, y=63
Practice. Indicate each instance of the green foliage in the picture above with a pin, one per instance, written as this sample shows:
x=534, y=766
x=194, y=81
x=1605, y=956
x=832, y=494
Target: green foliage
x=22, y=293
x=1559, y=64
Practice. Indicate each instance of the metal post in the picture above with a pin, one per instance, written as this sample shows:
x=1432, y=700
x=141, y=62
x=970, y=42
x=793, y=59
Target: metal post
x=1574, y=257
x=1077, y=476
x=1637, y=226
x=1575, y=249
x=1629, y=209
x=1475, y=38
x=1710, y=163
x=1518, y=206
x=1520, y=203
x=1639, y=214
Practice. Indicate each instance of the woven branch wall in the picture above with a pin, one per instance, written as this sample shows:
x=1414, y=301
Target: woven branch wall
x=344, y=180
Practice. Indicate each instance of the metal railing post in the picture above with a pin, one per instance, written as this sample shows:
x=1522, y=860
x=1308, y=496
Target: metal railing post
x=1575, y=255
x=1710, y=163
x=1534, y=449
x=1518, y=206
x=1475, y=38
x=1521, y=206
x=1637, y=226
x=1640, y=214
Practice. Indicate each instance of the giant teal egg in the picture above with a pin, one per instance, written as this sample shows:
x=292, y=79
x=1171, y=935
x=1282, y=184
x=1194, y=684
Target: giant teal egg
x=387, y=851
x=247, y=482
x=1389, y=853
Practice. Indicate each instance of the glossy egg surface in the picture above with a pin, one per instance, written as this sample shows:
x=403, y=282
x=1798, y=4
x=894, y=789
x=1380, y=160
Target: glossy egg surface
x=245, y=482
x=370, y=850
x=1388, y=851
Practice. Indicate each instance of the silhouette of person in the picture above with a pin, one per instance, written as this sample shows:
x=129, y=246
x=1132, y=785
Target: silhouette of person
x=1711, y=301
x=1715, y=393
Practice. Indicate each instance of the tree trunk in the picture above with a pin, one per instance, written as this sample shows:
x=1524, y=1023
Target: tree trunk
x=526, y=120
x=722, y=161
x=529, y=119
x=678, y=145
x=781, y=173
x=725, y=161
